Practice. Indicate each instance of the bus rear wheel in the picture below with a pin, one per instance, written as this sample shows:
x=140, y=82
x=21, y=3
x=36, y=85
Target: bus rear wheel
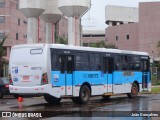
x=134, y=91
x=84, y=95
x=52, y=100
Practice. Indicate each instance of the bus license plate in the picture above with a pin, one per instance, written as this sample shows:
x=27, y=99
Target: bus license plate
x=25, y=78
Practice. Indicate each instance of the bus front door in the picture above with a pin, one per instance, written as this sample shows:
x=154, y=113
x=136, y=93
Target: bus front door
x=108, y=71
x=67, y=67
x=145, y=69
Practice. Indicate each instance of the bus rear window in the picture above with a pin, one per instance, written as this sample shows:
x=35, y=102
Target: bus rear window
x=36, y=51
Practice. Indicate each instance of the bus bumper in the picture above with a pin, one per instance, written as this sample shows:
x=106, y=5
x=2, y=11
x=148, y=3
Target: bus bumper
x=30, y=90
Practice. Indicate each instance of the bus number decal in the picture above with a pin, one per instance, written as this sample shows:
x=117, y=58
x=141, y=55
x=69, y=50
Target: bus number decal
x=92, y=75
x=36, y=68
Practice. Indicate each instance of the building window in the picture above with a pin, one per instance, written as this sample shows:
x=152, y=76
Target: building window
x=2, y=19
x=92, y=35
x=127, y=36
x=116, y=38
x=1, y=35
x=17, y=6
x=19, y=21
x=2, y=4
x=16, y=36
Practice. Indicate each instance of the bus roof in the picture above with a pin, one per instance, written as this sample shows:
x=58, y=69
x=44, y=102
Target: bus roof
x=71, y=47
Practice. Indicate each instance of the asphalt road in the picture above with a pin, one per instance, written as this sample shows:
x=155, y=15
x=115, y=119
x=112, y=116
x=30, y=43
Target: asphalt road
x=115, y=108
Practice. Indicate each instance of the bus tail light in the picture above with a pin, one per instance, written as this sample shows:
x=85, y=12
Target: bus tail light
x=10, y=80
x=44, y=79
x=7, y=86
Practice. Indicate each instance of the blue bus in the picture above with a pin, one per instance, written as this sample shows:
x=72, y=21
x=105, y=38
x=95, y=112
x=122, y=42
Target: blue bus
x=62, y=71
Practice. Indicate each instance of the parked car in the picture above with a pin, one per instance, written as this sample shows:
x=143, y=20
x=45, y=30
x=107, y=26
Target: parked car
x=4, y=88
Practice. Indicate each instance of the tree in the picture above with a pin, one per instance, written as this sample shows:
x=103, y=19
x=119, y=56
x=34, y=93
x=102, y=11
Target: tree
x=157, y=63
x=61, y=40
x=111, y=45
x=2, y=60
x=102, y=44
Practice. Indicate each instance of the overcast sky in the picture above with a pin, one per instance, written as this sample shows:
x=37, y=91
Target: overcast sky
x=95, y=18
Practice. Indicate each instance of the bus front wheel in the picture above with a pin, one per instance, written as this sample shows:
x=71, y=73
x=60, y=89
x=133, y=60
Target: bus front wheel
x=84, y=95
x=134, y=91
x=52, y=100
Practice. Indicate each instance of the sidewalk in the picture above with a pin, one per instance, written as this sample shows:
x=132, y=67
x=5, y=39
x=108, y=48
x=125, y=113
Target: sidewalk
x=156, y=86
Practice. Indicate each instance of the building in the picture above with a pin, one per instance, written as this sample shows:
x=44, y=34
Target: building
x=14, y=24
x=131, y=32
x=117, y=15
x=11, y=24
x=90, y=36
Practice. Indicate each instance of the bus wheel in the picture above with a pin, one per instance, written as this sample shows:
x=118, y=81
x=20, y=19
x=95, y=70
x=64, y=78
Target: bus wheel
x=84, y=95
x=134, y=91
x=52, y=100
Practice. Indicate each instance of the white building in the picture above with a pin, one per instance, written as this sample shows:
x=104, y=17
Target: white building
x=116, y=15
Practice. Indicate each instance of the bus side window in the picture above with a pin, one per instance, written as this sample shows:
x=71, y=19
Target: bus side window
x=94, y=61
x=145, y=65
x=70, y=63
x=124, y=62
x=78, y=61
x=110, y=65
x=105, y=65
x=61, y=61
x=118, y=62
x=55, y=64
x=82, y=62
x=136, y=63
x=97, y=62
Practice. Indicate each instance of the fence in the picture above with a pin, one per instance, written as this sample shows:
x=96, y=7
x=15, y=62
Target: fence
x=155, y=75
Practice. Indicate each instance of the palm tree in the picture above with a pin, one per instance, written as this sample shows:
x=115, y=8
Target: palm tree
x=2, y=60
